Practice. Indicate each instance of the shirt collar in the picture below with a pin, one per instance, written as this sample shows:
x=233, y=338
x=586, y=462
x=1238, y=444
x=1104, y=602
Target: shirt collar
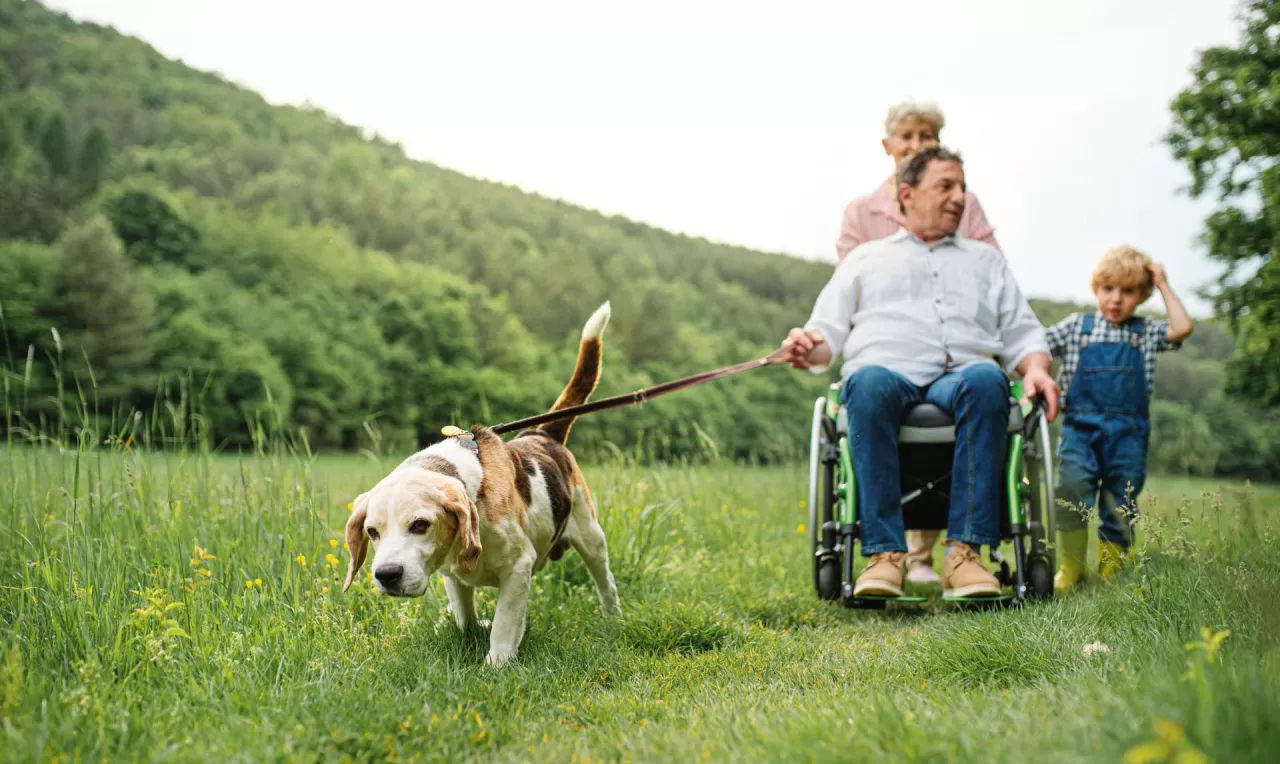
x=903, y=234
x=1100, y=318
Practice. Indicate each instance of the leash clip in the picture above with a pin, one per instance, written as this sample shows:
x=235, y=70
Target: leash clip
x=464, y=438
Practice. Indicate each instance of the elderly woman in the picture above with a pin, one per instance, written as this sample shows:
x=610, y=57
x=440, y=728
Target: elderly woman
x=909, y=127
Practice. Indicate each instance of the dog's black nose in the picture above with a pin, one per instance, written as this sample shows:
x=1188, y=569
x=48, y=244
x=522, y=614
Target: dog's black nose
x=388, y=575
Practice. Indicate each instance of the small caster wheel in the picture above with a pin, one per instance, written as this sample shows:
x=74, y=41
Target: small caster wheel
x=829, y=579
x=1039, y=577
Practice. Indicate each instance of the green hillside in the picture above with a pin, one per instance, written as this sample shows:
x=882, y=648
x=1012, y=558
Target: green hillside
x=246, y=247
x=171, y=243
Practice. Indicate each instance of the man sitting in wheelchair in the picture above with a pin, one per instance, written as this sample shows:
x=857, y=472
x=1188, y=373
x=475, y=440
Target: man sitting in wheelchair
x=925, y=316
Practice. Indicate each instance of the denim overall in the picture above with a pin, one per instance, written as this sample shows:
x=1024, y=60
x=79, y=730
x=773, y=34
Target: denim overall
x=1105, y=434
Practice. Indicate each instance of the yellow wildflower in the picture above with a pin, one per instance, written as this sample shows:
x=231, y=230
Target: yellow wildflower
x=331, y=560
x=248, y=584
x=800, y=529
x=351, y=505
x=302, y=560
x=333, y=543
x=257, y=582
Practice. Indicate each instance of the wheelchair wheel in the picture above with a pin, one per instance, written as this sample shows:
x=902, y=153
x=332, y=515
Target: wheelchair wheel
x=1033, y=547
x=829, y=579
x=815, y=490
x=1039, y=577
x=826, y=563
x=1040, y=510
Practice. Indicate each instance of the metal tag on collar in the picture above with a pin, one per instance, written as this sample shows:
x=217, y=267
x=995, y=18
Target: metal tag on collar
x=464, y=438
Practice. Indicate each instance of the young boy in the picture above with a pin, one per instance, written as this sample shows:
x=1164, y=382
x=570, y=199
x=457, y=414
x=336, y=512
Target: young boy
x=1108, y=363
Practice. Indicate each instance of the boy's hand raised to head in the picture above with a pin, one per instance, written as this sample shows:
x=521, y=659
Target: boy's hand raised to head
x=1180, y=324
x=1158, y=278
x=799, y=346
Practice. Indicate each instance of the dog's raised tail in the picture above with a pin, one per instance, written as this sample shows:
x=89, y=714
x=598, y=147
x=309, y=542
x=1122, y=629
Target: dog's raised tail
x=585, y=374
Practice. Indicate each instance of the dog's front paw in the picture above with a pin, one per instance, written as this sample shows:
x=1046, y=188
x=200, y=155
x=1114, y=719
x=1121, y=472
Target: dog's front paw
x=474, y=625
x=499, y=658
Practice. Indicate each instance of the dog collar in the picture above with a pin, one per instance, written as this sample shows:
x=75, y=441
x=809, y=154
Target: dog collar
x=464, y=438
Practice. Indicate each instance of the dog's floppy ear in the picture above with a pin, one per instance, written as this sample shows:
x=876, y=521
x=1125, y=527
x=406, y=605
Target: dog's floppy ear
x=357, y=541
x=463, y=509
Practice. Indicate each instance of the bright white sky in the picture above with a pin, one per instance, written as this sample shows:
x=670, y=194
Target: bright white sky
x=752, y=123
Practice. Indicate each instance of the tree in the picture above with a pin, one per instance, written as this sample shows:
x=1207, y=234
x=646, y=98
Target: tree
x=55, y=145
x=104, y=309
x=151, y=229
x=92, y=162
x=1227, y=131
x=8, y=141
x=1182, y=441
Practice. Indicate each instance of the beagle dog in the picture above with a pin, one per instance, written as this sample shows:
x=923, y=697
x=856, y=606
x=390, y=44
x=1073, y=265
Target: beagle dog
x=484, y=512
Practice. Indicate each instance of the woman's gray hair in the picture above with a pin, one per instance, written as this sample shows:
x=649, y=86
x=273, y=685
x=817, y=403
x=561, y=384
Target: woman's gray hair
x=912, y=170
x=924, y=111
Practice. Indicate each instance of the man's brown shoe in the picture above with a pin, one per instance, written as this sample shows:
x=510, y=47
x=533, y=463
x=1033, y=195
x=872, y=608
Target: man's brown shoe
x=882, y=576
x=964, y=575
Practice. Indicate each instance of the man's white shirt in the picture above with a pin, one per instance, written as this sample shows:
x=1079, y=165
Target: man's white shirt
x=923, y=310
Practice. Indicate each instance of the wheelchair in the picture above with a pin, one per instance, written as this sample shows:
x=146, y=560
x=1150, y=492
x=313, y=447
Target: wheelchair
x=926, y=445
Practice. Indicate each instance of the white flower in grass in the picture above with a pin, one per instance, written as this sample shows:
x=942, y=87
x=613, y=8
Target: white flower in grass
x=1095, y=648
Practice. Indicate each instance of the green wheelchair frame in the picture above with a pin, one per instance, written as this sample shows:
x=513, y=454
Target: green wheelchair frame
x=927, y=437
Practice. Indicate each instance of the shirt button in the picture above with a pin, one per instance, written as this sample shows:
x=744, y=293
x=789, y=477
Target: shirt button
x=935, y=274
x=938, y=300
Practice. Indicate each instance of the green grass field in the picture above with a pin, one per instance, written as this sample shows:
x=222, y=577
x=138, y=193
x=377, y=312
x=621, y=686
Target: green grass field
x=188, y=608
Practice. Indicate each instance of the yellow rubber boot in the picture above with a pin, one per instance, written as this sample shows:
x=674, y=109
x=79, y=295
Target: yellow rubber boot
x=1072, y=548
x=1112, y=559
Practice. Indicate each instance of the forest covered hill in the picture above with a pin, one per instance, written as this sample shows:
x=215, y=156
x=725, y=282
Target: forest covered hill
x=170, y=239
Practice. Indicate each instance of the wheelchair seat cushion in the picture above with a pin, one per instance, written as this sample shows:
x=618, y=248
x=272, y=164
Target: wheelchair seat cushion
x=927, y=415
x=926, y=423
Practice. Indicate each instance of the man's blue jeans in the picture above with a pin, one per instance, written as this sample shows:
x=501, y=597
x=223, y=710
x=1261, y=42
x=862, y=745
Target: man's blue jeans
x=876, y=401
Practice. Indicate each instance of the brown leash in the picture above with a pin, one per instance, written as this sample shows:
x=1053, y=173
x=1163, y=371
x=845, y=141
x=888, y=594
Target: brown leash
x=640, y=396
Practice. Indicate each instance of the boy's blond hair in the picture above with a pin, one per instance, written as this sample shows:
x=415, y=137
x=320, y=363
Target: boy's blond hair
x=1123, y=266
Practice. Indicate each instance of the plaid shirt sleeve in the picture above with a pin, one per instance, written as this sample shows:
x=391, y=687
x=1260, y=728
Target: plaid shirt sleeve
x=1157, y=335
x=1059, y=333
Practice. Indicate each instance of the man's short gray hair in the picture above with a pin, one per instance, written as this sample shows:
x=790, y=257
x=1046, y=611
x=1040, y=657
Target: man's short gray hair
x=912, y=170
x=924, y=111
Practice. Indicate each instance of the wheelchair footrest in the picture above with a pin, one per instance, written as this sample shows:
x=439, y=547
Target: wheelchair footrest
x=875, y=602
x=979, y=600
